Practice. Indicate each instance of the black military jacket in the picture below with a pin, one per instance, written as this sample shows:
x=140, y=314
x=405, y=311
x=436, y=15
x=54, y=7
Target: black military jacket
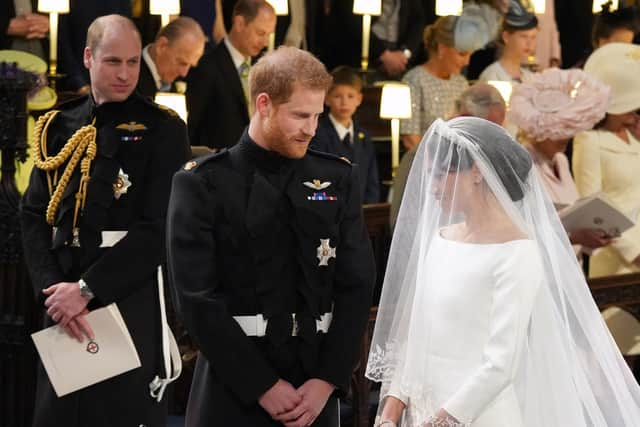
x=245, y=228
x=148, y=144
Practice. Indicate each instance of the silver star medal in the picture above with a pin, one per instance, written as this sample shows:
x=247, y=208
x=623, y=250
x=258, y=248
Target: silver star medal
x=325, y=252
x=121, y=185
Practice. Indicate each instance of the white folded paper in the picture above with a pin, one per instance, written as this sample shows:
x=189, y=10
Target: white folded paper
x=72, y=365
x=596, y=212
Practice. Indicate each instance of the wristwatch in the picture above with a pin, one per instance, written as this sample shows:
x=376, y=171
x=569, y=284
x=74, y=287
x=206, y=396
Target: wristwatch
x=407, y=53
x=85, y=291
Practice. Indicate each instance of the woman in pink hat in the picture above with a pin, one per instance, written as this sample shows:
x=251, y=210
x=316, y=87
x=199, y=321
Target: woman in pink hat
x=549, y=109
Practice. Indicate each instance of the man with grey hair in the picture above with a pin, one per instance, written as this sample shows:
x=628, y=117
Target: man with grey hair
x=177, y=47
x=480, y=100
x=96, y=235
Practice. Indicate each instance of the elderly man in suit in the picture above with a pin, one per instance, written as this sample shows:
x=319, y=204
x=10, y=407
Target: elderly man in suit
x=177, y=47
x=218, y=88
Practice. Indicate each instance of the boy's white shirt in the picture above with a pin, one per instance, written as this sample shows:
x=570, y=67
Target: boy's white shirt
x=340, y=128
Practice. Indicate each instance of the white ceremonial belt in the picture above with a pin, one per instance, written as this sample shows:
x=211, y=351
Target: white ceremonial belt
x=256, y=326
x=110, y=238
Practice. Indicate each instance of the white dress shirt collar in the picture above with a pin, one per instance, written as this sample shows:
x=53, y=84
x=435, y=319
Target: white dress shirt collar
x=341, y=129
x=146, y=56
x=236, y=56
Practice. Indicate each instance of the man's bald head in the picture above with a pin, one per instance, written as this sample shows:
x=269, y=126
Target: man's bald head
x=178, y=47
x=481, y=100
x=112, y=57
x=109, y=23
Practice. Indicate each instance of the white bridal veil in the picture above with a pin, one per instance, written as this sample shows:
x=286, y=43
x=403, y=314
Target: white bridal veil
x=496, y=325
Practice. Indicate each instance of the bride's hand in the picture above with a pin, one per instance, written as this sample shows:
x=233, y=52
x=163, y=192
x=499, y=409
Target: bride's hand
x=392, y=409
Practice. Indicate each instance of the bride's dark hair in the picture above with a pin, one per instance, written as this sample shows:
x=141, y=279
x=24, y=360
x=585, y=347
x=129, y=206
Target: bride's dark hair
x=510, y=160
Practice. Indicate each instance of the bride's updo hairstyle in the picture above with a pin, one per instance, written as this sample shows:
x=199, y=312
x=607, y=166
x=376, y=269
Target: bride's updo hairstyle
x=510, y=160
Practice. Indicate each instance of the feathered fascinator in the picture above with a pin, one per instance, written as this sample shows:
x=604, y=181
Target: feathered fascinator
x=478, y=25
x=556, y=104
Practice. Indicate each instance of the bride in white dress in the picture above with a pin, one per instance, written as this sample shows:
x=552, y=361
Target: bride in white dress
x=485, y=318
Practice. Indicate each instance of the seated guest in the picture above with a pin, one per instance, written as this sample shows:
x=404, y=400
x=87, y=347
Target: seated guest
x=618, y=26
x=338, y=133
x=177, y=47
x=437, y=83
x=607, y=158
x=480, y=100
x=550, y=108
x=218, y=88
x=21, y=28
x=518, y=44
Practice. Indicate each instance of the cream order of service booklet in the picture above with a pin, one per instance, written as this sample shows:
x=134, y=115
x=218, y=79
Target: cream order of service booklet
x=596, y=212
x=72, y=365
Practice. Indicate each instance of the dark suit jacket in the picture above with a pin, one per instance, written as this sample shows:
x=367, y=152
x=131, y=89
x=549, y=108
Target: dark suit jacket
x=361, y=152
x=215, y=100
x=243, y=234
x=146, y=84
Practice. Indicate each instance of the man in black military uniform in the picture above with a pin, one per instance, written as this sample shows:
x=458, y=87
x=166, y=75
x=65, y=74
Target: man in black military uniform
x=93, y=222
x=272, y=261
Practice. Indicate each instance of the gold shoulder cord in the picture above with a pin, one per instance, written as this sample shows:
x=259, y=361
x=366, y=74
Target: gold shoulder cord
x=82, y=142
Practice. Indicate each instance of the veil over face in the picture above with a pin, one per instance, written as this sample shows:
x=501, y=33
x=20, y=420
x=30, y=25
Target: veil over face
x=485, y=311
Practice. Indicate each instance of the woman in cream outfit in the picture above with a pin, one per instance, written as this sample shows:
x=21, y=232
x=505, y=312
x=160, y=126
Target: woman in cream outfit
x=607, y=159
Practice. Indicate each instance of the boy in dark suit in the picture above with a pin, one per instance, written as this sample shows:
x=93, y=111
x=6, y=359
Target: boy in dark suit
x=338, y=134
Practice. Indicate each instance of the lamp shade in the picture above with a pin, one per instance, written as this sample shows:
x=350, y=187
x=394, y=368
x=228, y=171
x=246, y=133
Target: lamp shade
x=539, y=6
x=281, y=6
x=597, y=5
x=505, y=89
x=164, y=7
x=367, y=7
x=176, y=101
x=448, y=7
x=53, y=6
x=396, y=101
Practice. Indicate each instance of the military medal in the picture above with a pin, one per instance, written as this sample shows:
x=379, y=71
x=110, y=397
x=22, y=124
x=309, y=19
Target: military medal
x=131, y=138
x=325, y=252
x=121, y=185
x=320, y=196
x=317, y=184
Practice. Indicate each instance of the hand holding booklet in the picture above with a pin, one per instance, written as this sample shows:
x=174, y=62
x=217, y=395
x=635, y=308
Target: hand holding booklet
x=72, y=365
x=596, y=212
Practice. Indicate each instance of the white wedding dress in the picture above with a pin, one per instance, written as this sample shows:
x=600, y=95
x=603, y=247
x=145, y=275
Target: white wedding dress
x=495, y=334
x=473, y=354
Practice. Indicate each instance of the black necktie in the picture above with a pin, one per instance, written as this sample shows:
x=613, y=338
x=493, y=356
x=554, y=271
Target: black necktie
x=347, y=139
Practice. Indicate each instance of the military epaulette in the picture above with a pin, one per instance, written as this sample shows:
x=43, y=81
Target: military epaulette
x=328, y=156
x=194, y=164
x=155, y=106
x=71, y=103
x=166, y=109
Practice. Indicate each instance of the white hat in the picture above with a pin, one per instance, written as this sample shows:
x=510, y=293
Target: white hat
x=618, y=66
